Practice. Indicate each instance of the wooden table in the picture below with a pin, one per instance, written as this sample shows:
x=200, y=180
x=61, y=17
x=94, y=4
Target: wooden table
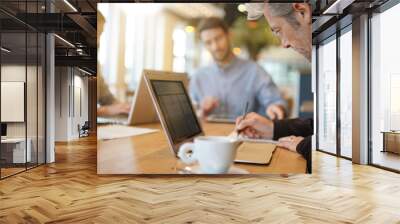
x=150, y=154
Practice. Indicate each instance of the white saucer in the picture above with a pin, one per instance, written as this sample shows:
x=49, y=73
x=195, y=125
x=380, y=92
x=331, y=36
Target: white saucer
x=196, y=170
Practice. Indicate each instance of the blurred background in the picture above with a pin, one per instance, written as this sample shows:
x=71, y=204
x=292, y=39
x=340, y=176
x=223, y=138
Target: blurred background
x=163, y=37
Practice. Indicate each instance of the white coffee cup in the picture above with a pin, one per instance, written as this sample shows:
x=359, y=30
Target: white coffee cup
x=215, y=154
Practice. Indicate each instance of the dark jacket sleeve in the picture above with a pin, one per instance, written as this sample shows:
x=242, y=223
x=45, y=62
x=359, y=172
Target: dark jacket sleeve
x=304, y=148
x=296, y=127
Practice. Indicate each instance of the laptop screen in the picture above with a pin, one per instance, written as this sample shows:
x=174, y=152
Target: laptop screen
x=177, y=110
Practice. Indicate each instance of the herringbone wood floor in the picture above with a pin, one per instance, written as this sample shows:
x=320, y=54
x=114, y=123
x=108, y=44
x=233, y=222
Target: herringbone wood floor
x=69, y=191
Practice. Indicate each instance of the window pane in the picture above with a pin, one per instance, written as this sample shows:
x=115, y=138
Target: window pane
x=13, y=84
x=346, y=94
x=385, y=88
x=327, y=97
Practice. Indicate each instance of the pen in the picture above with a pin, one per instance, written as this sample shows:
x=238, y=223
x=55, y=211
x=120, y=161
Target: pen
x=245, y=112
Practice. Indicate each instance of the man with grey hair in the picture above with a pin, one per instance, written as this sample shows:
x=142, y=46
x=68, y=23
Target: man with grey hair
x=291, y=23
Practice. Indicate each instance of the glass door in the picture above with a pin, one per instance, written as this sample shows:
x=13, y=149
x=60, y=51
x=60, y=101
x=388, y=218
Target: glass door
x=22, y=101
x=327, y=96
x=14, y=154
x=346, y=93
x=385, y=89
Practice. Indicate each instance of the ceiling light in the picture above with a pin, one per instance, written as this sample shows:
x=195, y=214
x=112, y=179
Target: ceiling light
x=189, y=29
x=65, y=41
x=84, y=71
x=70, y=5
x=241, y=8
x=337, y=7
x=5, y=50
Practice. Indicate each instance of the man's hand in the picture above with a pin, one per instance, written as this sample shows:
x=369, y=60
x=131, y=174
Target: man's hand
x=276, y=111
x=255, y=126
x=290, y=142
x=208, y=104
x=114, y=109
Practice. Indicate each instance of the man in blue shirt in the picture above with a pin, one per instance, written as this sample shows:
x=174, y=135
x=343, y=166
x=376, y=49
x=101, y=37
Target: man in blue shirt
x=227, y=85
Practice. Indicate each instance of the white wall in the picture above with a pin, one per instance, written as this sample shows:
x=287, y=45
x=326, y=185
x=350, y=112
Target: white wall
x=12, y=73
x=71, y=103
x=61, y=103
x=80, y=110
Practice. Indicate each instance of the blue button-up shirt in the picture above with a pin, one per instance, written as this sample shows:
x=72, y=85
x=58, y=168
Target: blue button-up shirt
x=235, y=84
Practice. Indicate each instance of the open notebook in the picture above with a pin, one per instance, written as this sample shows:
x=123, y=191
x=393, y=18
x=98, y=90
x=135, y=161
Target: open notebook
x=254, y=151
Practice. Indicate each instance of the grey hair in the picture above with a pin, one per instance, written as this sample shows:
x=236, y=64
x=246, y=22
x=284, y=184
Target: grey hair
x=255, y=10
x=280, y=9
x=283, y=10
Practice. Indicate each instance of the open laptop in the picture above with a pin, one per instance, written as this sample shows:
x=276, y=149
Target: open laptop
x=119, y=119
x=142, y=110
x=181, y=125
x=221, y=118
